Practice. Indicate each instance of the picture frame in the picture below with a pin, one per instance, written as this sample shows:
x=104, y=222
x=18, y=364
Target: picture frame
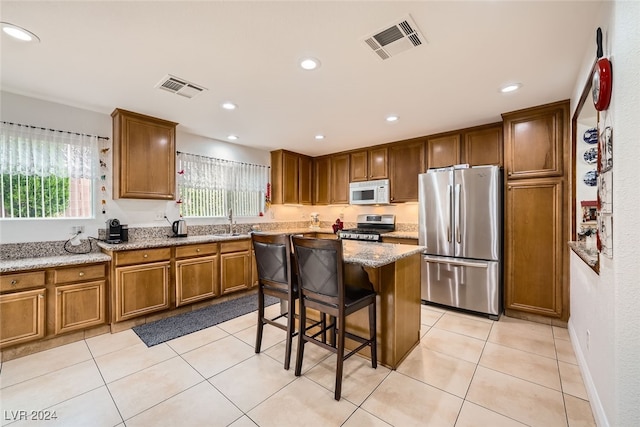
x=606, y=149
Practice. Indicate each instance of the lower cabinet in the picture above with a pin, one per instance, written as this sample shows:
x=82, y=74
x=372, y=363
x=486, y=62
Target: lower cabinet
x=22, y=316
x=196, y=274
x=141, y=288
x=79, y=297
x=235, y=266
x=534, y=247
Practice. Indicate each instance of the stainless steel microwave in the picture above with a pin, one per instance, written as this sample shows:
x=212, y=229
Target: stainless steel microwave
x=369, y=192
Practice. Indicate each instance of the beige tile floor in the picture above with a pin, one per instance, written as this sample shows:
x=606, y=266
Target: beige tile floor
x=466, y=371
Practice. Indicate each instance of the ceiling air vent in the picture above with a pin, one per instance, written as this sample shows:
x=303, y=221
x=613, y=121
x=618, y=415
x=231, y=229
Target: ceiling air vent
x=398, y=37
x=179, y=86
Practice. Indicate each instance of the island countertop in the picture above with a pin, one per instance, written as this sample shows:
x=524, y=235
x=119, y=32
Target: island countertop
x=374, y=255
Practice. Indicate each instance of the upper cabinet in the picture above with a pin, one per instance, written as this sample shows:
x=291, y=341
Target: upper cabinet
x=483, y=145
x=290, y=178
x=533, y=141
x=406, y=162
x=443, y=151
x=322, y=180
x=138, y=138
x=340, y=179
x=368, y=165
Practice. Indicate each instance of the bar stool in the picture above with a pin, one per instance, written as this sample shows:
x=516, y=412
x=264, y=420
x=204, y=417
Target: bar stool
x=277, y=278
x=321, y=287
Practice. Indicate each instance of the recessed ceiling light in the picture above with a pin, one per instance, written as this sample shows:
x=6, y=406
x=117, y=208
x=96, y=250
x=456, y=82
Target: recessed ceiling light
x=229, y=106
x=511, y=87
x=232, y=137
x=18, y=33
x=392, y=118
x=309, y=63
x=319, y=137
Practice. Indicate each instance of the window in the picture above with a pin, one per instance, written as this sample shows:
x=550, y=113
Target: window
x=209, y=187
x=45, y=173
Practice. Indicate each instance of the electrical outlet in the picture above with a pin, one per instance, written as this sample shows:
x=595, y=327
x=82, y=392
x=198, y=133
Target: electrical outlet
x=77, y=229
x=160, y=216
x=341, y=216
x=588, y=338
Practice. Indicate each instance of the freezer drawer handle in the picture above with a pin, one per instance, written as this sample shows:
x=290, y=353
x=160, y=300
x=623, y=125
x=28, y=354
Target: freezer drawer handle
x=457, y=263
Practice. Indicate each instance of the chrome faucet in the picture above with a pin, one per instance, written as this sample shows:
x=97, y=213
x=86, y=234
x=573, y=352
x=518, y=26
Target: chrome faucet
x=230, y=221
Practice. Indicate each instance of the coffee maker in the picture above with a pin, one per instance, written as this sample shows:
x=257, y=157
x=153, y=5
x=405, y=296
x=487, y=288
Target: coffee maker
x=116, y=232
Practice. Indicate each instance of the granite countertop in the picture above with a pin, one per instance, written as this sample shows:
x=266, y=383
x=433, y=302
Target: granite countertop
x=587, y=254
x=402, y=234
x=369, y=254
x=7, y=266
x=372, y=254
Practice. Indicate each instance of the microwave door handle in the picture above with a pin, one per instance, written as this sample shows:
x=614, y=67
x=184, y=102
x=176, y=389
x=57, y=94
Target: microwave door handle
x=449, y=201
x=457, y=213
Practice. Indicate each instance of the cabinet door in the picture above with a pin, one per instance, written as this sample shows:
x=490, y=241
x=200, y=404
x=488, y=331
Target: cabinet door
x=141, y=289
x=235, y=271
x=322, y=180
x=483, y=146
x=534, y=246
x=534, y=141
x=443, y=151
x=79, y=306
x=22, y=317
x=406, y=162
x=139, y=138
x=305, y=181
x=196, y=279
x=358, y=165
x=340, y=178
x=378, y=167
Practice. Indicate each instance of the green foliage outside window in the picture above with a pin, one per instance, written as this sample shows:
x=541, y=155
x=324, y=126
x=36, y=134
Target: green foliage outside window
x=34, y=197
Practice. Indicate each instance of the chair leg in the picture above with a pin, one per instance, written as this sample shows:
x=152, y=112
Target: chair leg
x=339, y=357
x=301, y=338
x=291, y=327
x=372, y=335
x=260, y=319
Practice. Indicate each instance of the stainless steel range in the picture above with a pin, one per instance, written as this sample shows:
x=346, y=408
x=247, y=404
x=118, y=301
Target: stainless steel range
x=370, y=228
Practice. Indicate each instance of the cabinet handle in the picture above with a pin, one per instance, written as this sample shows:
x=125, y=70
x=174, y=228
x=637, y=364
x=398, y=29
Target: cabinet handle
x=145, y=256
x=509, y=173
x=59, y=293
x=198, y=250
x=41, y=296
x=81, y=274
x=14, y=282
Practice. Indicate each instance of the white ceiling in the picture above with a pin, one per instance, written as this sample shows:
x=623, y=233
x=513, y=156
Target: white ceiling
x=102, y=55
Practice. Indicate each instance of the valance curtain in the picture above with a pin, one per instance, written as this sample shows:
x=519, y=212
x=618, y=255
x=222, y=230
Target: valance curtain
x=210, y=186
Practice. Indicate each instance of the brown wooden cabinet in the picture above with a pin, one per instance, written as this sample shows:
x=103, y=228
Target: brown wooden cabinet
x=534, y=141
x=534, y=246
x=339, y=179
x=369, y=164
x=141, y=282
x=483, y=145
x=443, y=150
x=406, y=162
x=291, y=178
x=322, y=180
x=235, y=264
x=22, y=308
x=80, y=300
x=197, y=273
x=138, y=138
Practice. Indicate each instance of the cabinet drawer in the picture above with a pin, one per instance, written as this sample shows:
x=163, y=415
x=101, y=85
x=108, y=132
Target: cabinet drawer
x=13, y=282
x=240, y=245
x=142, y=256
x=197, y=250
x=77, y=273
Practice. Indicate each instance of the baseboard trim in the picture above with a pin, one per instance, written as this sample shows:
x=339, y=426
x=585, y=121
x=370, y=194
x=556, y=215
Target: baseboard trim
x=596, y=405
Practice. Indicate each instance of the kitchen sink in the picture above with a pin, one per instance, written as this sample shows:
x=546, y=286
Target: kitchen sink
x=229, y=234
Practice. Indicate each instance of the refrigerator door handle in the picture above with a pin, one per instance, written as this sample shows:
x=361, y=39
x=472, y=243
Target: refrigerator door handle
x=449, y=201
x=460, y=263
x=457, y=213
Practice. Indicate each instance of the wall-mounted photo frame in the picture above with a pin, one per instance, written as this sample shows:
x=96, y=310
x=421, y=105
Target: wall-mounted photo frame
x=606, y=149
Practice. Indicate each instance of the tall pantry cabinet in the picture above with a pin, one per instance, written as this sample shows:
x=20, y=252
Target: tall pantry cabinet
x=536, y=158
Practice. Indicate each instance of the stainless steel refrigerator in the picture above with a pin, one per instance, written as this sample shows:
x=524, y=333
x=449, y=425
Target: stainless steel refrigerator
x=460, y=223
